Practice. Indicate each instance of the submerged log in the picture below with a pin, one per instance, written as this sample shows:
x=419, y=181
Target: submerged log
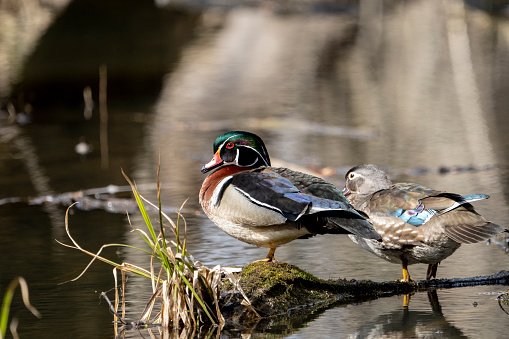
x=279, y=288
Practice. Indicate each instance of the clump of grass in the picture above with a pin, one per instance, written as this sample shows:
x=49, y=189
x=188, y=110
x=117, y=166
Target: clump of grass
x=187, y=290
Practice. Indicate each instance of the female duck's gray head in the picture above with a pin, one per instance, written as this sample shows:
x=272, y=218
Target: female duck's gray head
x=366, y=179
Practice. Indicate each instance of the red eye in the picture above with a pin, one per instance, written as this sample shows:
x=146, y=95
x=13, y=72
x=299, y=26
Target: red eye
x=230, y=145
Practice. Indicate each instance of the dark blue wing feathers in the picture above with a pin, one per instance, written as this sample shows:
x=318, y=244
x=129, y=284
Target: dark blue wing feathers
x=270, y=190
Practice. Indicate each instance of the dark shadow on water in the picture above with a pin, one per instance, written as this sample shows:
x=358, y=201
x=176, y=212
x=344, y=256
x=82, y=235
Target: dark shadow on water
x=137, y=41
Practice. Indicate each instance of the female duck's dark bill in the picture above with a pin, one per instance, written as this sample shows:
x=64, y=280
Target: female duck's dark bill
x=346, y=191
x=214, y=163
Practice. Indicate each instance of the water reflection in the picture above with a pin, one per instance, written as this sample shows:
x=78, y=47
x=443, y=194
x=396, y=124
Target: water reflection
x=406, y=322
x=134, y=46
x=442, y=314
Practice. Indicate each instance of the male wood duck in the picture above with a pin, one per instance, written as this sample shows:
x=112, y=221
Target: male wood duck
x=418, y=224
x=268, y=206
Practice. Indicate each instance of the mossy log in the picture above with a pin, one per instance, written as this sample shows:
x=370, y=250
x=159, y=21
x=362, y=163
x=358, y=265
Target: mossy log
x=279, y=288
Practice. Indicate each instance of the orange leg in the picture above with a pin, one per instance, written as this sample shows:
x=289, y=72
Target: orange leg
x=432, y=271
x=270, y=256
x=406, y=274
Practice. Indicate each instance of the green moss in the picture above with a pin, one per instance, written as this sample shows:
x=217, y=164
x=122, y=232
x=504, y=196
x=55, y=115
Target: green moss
x=267, y=276
x=279, y=288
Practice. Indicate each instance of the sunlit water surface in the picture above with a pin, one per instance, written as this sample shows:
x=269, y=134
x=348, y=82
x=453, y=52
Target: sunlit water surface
x=405, y=86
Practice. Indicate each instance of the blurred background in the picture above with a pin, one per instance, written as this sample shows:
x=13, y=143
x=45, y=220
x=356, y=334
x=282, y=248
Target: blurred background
x=90, y=87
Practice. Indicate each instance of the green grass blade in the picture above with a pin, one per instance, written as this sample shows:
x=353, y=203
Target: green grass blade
x=146, y=218
x=7, y=300
x=159, y=204
x=200, y=301
x=141, y=206
x=6, y=306
x=196, y=284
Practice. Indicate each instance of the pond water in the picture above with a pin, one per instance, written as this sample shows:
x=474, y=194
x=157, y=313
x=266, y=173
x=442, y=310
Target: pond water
x=417, y=87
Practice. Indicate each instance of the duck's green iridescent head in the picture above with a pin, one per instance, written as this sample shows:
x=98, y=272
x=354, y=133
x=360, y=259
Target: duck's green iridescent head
x=239, y=148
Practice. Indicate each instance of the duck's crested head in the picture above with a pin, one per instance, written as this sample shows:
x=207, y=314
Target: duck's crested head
x=366, y=179
x=238, y=148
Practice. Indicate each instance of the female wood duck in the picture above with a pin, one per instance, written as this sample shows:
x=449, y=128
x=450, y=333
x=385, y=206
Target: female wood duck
x=418, y=224
x=267, y=206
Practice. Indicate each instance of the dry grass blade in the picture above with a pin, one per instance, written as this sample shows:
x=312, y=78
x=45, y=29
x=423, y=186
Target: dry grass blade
x=236, y=283
x=130, y=268
x=145, y=315
x=187, y=290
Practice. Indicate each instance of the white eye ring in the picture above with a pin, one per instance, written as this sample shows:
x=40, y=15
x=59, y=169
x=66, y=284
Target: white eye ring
x=351, y=175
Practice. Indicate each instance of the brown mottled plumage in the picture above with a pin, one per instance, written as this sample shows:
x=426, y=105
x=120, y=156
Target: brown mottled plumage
x=418, y=224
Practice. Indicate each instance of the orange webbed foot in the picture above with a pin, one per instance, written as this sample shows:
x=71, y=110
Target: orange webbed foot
x=270, y=256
